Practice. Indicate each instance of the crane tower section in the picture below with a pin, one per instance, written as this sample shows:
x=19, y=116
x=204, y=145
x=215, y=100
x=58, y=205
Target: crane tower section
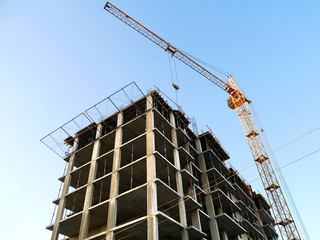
x=280, y=208
x=238, y=101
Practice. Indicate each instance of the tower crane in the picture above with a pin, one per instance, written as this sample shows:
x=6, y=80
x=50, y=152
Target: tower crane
x=239, y=102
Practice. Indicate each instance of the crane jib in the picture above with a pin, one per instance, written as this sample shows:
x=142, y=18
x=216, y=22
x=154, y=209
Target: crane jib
x=238, y=101
x=166, y=46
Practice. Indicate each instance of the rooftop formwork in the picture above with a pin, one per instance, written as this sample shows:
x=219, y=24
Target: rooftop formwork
x=142, y=173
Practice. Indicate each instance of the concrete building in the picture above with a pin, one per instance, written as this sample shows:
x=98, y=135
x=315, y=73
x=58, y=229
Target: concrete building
x=141, y=173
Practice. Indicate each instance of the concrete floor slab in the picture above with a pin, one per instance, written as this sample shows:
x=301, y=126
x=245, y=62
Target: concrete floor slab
x=195, y=234
x=232, y=227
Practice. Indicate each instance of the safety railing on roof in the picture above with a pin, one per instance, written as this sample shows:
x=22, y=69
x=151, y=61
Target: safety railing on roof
x=61, y=140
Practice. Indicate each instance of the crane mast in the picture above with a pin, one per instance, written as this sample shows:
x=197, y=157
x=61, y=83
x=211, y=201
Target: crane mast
x=238, y=101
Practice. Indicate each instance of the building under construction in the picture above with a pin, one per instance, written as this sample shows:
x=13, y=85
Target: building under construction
x=142, y=173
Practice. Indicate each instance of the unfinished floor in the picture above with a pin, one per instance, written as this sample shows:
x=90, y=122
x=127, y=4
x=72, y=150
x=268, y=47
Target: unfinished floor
x=141, y=173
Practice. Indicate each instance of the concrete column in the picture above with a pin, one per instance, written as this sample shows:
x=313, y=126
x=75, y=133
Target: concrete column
x=114, y=187
x=195, y=218
x=191, y=189
x=187, y=147
x=66, y=185
x=188, y=165
x=182, y=208
x=192, y=192
x=214, y=230
x=152, y=204
x=224, y=235
x=90, y=187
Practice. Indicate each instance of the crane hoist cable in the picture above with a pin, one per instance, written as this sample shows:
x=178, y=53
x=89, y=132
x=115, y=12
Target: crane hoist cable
x=171, y=75
x=239, y=102
x=174, y=83
x=176, y=86
x=176, y=71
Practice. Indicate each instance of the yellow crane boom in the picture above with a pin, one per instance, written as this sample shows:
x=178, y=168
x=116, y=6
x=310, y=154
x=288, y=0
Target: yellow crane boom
x=238, y=101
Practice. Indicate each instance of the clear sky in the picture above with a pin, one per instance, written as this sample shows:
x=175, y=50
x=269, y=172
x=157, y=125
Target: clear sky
x=60, y=57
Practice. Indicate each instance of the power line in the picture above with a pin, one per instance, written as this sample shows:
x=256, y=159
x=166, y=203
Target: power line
x=296, y=139
x=281, y=177
x=304, y=230
x=299, y=159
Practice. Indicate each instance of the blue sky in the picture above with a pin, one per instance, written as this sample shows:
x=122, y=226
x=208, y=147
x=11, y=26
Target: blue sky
x=59, y=58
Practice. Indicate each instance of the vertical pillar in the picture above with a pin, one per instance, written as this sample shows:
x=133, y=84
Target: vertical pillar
x=114, y=186
x=90, y=187
x=191, y=189
x=182, y=208
x=214, y=230
x=66, y=184
x=196, y=219
x=192, y=192
x=224, y=235
x=188, y=165
x=152, y=205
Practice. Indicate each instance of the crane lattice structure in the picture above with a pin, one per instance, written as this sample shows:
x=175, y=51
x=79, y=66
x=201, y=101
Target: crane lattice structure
x=238, y=101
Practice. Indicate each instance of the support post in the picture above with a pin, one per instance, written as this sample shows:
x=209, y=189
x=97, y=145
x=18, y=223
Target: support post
x=90, y=187
x=114, y=187
x=214, y=230
x=152, y=204
x=66, y=185
x=224, y=235
x=182, y=207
